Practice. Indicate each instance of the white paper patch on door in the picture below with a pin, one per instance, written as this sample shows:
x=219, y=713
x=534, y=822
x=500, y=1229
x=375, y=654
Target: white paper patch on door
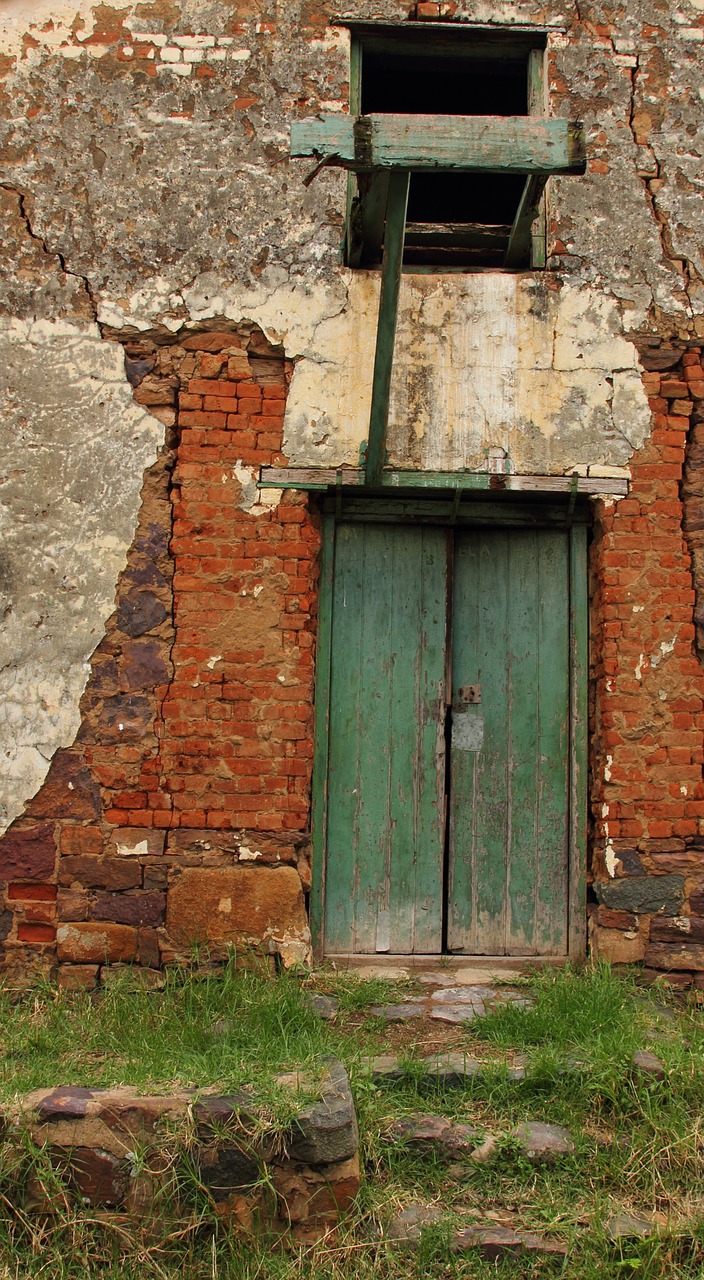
x=468, y=729
x=383, y=931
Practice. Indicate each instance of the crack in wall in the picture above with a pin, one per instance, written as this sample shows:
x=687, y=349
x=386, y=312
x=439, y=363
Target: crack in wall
x=22, y=197
x=683, y=265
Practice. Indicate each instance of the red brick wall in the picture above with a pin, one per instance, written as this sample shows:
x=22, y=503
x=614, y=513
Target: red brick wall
x=198, y=714
x=647, y=731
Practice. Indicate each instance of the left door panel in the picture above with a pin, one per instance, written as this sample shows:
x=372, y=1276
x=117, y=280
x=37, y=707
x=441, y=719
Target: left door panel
x=386, y=762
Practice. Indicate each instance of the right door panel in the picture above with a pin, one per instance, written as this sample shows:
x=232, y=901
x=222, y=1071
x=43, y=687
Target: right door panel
x=509, y=763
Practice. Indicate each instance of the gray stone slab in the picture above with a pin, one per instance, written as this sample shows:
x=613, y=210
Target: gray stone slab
x=630, y=1226
x=436, y=1134
x=464, y=995
x=452, y=1070
x=493, y=1241
x=543, y=1143
x=408, y=1225
x=397, y=1012
x=325, y=1006
x=648, y=1064
x=457, y=1012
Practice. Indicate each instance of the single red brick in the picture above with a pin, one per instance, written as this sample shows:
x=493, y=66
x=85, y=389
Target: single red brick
x=36, y=933
x=33, y=892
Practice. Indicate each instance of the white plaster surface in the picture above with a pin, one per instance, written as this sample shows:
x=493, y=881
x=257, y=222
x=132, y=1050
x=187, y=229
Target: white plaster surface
x=482, y=361
x=73, y=449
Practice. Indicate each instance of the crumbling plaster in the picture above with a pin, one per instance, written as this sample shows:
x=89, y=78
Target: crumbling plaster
x=162, y=183
x=74, y=446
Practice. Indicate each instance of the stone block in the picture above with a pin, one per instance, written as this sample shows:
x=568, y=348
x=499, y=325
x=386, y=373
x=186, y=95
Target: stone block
x=326, y=1131
x=93, y=943
x=136, y=842
x=677, y=929
x=436, y=1135
x=675, y=956
x=678, y=981
x=28, y=853
x=99, y=1177
x=72, y=904
x=148, y=952
x=127, y=717
x=648, y=1064
x=78, y=977
x=229, y=906
x=76, y=841
x=617, y=947
x=139, y=612
x=136, y=908
x=100, y=873
x=494, y=1242
x=68, y=791
x=644, y=895
x=316, y=1195
x=225, y=1167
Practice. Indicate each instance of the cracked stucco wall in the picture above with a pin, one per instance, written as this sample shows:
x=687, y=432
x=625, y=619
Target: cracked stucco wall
x=146, y=184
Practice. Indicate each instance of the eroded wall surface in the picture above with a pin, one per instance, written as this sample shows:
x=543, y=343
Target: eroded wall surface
x=148, y=197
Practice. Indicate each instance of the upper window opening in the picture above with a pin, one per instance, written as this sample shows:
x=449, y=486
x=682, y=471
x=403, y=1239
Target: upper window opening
x=458, y=220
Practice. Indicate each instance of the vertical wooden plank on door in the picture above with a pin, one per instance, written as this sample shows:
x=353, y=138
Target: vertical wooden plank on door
x=374, y=738
x=553, y=703
x=384, y=825
x=417, y=745
x=509, y=803
x=343, y=750
x=478, y=777
x=322, y=726
x=579, y=616
x=523, y=762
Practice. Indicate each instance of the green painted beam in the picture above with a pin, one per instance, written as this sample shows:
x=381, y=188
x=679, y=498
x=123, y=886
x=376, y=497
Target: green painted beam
x=394, y=233
x=391, y=478
x=470, y=144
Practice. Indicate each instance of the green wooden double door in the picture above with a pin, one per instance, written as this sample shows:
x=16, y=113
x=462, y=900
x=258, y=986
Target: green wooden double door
x=450, y=763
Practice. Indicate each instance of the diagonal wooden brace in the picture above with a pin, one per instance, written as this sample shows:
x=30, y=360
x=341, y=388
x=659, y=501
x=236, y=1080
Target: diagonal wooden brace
x=394, y=236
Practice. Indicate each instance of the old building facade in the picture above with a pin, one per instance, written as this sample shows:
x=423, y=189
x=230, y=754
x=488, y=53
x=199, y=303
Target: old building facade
x=270, y=677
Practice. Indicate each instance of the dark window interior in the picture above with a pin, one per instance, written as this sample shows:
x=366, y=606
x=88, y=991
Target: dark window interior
x=459, y=220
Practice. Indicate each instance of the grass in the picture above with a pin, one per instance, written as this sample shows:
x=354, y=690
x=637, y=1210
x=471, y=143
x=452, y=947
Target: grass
x=224, y=1029
x=639, y=1142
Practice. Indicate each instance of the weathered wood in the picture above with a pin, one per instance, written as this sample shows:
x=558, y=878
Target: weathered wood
x=353, y=477
x=509, y=824
x=374, y=198
x=322, y=733
x=435, y=510
x=454, y=235
x=475, y=44
x=579, y=718
x=537, y=106
x=386, y=771
x=394, y=233
x=469, y=144
x=529, y=207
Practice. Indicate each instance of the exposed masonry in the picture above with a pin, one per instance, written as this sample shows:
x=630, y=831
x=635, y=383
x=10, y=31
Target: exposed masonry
x=180, y=814
x=648, y=689
x=148, y=187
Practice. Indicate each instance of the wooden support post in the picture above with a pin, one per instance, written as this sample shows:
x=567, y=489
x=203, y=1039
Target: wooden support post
x=386, y=329
x=519, y=241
